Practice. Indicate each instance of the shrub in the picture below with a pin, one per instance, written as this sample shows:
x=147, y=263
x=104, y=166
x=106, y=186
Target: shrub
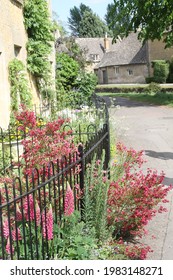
x=161, y=71
x=95, y=198
x=149, y=80
x=74, y=241
x=153, y=88
x=133, y=195
x=86, y=84
x=67, y=72
x=170, y=77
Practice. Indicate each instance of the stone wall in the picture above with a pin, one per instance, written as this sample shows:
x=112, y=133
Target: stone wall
x=13, y=39
x=157, y=51
x=123, y=74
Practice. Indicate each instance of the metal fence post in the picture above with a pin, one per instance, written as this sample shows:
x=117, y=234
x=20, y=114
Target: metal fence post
x=81, y=175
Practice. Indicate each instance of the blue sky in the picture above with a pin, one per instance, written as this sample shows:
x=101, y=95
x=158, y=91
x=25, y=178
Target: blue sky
x=62, y=7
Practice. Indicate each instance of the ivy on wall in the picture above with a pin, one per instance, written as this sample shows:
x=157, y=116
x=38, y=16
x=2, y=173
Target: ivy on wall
x=39, y=28
x=20, y=92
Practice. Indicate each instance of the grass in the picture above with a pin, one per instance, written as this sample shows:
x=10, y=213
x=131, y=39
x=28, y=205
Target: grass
x=160, y=98
x=132, y=86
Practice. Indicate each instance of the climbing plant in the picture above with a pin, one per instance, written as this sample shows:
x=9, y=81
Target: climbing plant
x=39, y=28
x=20, y=92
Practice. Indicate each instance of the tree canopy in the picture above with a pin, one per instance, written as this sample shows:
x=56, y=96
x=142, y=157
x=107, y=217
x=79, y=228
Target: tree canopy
x=152, y=18
x=84, y=23
x=111, y=18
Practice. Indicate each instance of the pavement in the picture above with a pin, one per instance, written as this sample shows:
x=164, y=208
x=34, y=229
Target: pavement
x=150, y=128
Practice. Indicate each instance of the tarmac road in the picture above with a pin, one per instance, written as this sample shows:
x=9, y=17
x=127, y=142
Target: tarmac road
x=149, y=128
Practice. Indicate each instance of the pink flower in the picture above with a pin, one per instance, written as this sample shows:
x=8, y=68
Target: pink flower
x=38, y=218
x=69, y=201
x=29, y=208
x=18, y=213
x=6, y=229
x=8, y=248
x=47, y=224
x=17, y=236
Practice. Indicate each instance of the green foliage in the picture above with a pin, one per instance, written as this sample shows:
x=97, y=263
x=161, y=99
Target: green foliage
x=153, y=88
x=76, y=15
x=111, y=19
x=67, y=71
x=170, y=77
x=37, y=20
x=149, y=80
x=40, y=33
x=92, y=26
x=74, y=88
x=161, y=71
x=152, y=17
x=74, y=51
x=86, y=83
x=4, y=158
x=37, y=59
x=75, y=242
x=20, y=92
x=95, y=198
x=84, y=23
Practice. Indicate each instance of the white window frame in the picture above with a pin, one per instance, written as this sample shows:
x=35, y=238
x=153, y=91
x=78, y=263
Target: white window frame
x=117, y=70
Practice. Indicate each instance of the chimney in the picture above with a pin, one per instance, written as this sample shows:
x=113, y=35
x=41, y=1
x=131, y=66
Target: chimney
x=106, y=43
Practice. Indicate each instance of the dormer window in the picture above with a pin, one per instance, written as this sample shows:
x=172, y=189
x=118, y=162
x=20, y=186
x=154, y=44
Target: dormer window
x=94, y=57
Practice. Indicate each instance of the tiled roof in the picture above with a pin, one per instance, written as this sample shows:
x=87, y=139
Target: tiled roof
x=128, y=51
x=94, y=46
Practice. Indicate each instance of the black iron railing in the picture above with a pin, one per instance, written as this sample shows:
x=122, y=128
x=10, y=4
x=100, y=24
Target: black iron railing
x=30, y=204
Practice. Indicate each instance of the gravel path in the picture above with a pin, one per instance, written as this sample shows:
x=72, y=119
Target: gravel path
x=149, y=128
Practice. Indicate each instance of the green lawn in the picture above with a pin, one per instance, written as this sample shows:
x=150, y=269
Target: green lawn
x=161, y=98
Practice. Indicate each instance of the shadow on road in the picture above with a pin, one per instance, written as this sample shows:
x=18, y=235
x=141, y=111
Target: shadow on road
x=160, y=155
x=168, y=181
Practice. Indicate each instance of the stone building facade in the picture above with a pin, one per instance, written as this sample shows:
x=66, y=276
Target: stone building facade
x=156, y=50
x=13, y=39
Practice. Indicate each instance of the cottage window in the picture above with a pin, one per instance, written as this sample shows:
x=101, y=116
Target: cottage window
x=17, y=50
x=19, y=1
x=94, y=57
x=130, y=72
x=117, y=70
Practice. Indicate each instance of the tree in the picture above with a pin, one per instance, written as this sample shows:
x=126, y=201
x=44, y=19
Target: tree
x=84, y=23
x=76, y=15
x=76, y=52
x=59, y=25
x=67, y=70
x=152, y=18
x=111, y=18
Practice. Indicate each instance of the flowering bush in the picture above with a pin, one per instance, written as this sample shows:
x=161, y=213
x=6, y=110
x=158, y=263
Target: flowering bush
x=43, y=146
x=132, y=200
x=133, y=195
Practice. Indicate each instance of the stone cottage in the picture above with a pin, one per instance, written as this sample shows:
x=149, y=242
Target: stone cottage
x=126, y=61
x=131, y=61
